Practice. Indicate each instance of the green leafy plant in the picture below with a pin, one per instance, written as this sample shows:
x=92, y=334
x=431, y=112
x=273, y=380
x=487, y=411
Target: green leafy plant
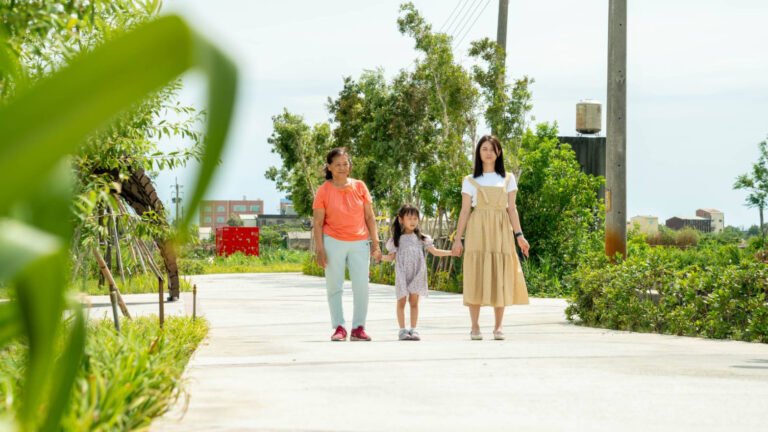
x=125, y=379
x=75, y=102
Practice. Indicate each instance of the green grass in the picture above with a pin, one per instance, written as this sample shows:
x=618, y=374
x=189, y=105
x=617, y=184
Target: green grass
x=139, y=284
x=270, y=261
x=125, y=380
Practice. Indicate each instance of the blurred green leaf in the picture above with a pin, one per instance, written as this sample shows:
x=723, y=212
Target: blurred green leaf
x=65, y=373
x=86, y=94
x=10, y=325
x=21, y=244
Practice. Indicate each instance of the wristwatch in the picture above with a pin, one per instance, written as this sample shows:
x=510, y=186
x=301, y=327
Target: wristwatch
x=518, y=234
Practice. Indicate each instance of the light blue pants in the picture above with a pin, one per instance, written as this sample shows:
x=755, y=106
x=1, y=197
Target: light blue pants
x=356, y=256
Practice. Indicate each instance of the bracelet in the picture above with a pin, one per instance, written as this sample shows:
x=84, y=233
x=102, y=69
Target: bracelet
x=518, y=234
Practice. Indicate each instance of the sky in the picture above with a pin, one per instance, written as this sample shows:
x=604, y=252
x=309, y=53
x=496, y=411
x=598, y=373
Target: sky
x=697, y=82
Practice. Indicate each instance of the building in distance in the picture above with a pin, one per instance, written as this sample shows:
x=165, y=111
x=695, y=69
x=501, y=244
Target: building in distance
x=216, y=213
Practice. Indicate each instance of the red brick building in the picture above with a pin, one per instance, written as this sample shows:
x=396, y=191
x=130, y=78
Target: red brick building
x=216, y=213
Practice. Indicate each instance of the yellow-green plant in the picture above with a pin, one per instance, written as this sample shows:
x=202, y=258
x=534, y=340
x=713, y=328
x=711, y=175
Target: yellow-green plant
x=39, y=127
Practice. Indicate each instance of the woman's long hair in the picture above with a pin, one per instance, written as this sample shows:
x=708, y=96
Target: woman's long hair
x=397, y=230
x=338, y=151
x=499, y=167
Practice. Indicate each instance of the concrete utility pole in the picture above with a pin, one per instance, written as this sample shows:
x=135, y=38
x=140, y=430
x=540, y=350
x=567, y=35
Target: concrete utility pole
x=501, y=35
x=176, y=199
x=616, y=156
x=501, y=32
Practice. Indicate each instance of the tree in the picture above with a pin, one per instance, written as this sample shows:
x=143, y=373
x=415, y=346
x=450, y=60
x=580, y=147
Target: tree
x=756, y=183
x=302, y=150
x=507, y=107
x=558, y=203
x=234, y=221
x=113, y=162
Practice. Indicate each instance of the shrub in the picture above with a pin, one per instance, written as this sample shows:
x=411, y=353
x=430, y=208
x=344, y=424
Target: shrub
x=716, y=293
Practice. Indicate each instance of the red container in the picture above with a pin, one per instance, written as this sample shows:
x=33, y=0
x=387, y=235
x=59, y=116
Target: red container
x=237, y=239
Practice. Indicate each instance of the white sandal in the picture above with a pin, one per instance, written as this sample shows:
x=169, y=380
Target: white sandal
x=476, y=336
x=498, y=335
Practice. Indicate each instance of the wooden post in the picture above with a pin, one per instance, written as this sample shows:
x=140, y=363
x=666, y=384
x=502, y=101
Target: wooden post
x=616, y=167
x=116, y=243
x=112, y=285
x=115, y=316
x=162, y=302
x=194, y=302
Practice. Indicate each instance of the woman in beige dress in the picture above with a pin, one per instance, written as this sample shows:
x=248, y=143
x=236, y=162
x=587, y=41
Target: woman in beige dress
x=492, y=272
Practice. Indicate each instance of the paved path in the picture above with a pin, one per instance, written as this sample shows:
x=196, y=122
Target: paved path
x=268, y=366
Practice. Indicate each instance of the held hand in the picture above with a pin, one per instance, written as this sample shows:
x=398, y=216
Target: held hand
x=522, y=243
x=457, y=249
x=376, y=252
x=320, y=258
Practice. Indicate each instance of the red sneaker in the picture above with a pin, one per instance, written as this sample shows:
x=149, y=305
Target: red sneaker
x=359, y=334
x=339, y=335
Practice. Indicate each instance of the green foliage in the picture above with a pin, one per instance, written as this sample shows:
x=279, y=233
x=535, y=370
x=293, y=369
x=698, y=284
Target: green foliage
x=234, y=221
x=756, y=184
x=125, y=380
x=302, y=150
x=273, y=237
x=558, y=204
x=270, y=260
x=507, y=107
x=715, y=291
x=138, y=284
x=75, y=101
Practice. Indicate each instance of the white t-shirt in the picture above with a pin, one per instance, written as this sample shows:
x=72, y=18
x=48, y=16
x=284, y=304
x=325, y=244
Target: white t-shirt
x=487, y=179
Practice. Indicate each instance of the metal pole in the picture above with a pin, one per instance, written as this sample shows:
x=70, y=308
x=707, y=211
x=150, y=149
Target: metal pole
x=616, y=158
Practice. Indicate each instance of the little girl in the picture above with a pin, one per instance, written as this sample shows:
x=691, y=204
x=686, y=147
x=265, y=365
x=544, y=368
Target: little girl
x=406, y=248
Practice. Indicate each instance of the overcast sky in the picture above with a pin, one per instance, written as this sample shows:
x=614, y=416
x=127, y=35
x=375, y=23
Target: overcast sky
x=697, y=81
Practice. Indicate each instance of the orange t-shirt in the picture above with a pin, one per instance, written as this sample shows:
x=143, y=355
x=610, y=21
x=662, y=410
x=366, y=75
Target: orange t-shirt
x=344, y=210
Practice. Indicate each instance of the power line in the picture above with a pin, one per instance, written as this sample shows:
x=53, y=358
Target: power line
x=458, y=3
x=462, y=20
x=469, y=18
x=473, y=23
x=450, y=24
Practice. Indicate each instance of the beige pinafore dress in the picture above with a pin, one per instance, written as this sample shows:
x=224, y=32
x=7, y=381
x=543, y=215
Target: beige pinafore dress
x=492, y=272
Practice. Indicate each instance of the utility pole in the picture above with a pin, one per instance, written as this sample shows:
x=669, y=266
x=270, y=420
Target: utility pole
x=501, y=38
x=616, y=156
x=176, y=199
x=501, y=31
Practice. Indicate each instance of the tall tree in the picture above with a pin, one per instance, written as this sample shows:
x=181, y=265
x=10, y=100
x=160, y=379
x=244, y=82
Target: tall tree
x=507, y=108
x=756, y=184
x=302, y=150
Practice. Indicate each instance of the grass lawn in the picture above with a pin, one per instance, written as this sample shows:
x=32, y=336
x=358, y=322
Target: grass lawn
x=125, y=380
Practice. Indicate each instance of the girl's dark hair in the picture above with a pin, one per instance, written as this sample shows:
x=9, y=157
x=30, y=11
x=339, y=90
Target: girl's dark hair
x=397, y=230
x=338, y=151
x=499, y=167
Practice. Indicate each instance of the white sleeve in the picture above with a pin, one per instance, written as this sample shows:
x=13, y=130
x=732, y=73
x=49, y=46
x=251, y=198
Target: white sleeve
x=468, y=188
x=512, y=185
x=390, y=246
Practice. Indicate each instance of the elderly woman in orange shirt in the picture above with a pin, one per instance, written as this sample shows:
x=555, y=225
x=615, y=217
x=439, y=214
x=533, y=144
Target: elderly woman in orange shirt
x=345, y=236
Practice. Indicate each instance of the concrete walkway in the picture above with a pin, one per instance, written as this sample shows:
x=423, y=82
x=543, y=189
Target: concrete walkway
x=268, y=366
